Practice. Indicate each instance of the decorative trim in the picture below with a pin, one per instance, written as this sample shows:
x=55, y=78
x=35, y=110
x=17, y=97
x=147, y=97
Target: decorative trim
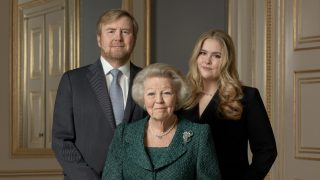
x=129, y=6
x=268, y=57
x=147, y=37
x=230, y=15
x=253, y=59
x=280, y=85
x=24, y=173
x=268, y=62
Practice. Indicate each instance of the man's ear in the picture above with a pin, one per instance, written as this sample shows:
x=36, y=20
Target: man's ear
x=98, y=40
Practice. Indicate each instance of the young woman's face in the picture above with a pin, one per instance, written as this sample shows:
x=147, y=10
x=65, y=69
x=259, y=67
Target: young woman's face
x=209, y=59
x=159, y=98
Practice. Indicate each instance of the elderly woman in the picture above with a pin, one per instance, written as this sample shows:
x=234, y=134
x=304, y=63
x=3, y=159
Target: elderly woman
x=162, y=145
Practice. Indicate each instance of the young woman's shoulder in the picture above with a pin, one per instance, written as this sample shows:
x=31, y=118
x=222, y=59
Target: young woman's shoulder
x=250, y=93
x=249, y=90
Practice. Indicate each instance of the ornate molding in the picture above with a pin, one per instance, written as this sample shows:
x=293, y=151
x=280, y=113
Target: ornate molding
x=24, y=173
x=268, y=57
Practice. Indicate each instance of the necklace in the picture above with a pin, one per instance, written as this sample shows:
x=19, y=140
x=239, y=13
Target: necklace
x=159, y=136
x=207, y=94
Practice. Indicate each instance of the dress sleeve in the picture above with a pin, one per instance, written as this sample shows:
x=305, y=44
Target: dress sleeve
x=63, y=136
x=207, y=162
x=113, y=166
x=261, y=138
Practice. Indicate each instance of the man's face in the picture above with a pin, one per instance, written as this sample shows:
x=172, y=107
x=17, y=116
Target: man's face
x=116, y=41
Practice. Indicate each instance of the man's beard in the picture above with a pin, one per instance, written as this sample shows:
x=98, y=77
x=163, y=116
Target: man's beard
x=118, y=55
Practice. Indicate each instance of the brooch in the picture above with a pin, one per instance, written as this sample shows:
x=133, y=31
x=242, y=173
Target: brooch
x=187, y=136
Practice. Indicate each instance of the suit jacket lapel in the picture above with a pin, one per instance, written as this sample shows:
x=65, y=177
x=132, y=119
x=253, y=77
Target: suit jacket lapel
x=130, y=105
x=98, y=83
x=136, y=149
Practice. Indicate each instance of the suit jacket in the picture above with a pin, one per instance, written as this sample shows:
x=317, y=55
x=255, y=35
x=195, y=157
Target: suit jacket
x=83, y=122
x=231, y=137
x=189, y=157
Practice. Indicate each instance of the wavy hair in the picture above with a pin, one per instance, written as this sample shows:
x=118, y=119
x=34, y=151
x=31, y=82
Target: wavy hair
x=230, y=87
x=165, y=71
x=112, y=15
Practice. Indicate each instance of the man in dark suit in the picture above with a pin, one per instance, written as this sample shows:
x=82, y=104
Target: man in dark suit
x=85, y=117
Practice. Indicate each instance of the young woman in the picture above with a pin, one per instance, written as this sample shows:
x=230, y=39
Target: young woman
x=235, y=113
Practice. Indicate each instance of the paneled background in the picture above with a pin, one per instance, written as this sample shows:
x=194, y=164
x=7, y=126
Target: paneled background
x=278, y=46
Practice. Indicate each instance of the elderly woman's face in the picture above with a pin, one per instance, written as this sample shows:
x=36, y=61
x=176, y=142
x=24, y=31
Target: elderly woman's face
x=159, y=97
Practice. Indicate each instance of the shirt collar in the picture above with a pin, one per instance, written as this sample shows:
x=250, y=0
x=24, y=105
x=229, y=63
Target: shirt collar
x=125, y=69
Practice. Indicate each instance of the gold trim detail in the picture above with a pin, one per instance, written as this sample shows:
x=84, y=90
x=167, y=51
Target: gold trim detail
x=129, y=6
x=280, y=85
x=268, y=62
x=147, y=31
x=23, y=173
x=268, y=57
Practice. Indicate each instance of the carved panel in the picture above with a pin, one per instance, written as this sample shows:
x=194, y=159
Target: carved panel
x=35, y=44
x=50, y=106
x=35, y=121
x=306, y=113
x=55, y=37
x=306, y=26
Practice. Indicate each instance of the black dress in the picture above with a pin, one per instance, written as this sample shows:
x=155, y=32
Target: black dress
x=232, y=137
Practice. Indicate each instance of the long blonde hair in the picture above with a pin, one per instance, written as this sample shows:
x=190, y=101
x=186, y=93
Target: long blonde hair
x=230, y=87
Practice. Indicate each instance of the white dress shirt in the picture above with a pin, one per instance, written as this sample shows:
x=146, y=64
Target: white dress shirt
x=124, y=79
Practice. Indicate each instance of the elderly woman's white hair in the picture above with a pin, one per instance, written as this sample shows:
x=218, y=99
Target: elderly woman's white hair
x=164, y=71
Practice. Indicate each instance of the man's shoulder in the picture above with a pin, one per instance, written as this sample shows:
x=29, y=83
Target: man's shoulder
x=83, y=69
x=134, y=67
x=78, y=70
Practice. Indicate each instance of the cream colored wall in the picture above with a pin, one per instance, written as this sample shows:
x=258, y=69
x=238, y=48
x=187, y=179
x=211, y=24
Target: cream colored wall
x=5, y=81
